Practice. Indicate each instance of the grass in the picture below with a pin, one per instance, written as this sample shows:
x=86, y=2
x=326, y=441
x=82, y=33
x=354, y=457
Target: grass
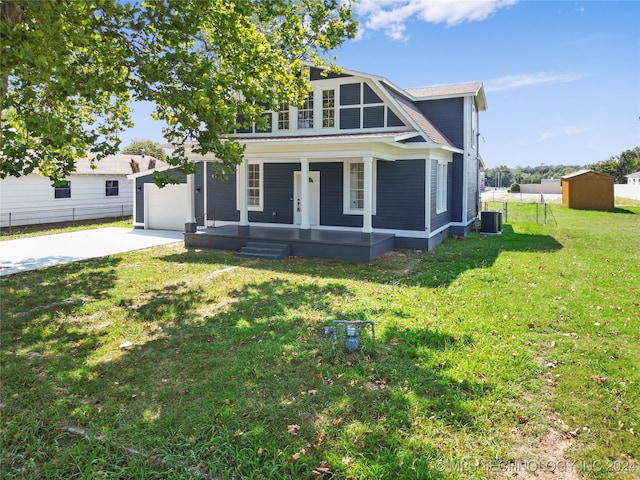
x=491, y=353
x=24, y=231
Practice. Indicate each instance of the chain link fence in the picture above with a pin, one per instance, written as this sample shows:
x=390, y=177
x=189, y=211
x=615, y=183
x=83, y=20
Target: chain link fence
x=70, y=215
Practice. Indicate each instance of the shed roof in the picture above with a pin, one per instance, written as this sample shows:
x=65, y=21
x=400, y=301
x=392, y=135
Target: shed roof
x=584, y=172
x=633, y=175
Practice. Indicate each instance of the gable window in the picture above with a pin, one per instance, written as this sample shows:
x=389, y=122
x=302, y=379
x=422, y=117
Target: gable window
x=112, y=188
x=283, y=116
x=305, y=113
x=328, y=108
x=62, y=190
x=253, y=185
x=441, y=187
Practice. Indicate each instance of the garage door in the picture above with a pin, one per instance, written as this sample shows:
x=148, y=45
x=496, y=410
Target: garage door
x=165, y=208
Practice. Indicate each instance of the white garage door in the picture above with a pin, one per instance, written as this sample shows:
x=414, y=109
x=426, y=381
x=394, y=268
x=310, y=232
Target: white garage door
x=165, y=208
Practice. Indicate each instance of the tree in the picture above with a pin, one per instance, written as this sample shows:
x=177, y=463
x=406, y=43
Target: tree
x=146, y=147
x=620, y=166
x=69, y=70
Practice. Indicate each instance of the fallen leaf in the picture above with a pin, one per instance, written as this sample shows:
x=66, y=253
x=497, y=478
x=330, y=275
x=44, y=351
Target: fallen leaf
x=296, y=456
x=337, y=421
x=293, y=429
x=260, y=451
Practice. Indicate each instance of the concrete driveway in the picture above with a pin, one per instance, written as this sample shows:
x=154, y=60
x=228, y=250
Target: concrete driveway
x=32, y=253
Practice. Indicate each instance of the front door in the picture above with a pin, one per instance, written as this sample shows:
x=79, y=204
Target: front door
x=314, y=198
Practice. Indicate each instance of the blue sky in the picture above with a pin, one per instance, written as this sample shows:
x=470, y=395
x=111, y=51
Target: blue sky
x=562, y=78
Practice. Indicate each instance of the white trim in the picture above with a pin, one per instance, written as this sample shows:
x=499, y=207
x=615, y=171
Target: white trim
x=442, y=187
x=239, y=186
x=427, y=194
x=346, y=187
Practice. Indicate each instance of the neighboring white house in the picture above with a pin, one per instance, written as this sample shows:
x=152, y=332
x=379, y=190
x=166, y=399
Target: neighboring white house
x=88, y=193
x=633, y=178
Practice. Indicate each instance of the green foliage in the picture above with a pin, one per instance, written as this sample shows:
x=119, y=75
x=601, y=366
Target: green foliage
x=618, y=167
x=69, y=69
x=514, y=188
x=146, y=147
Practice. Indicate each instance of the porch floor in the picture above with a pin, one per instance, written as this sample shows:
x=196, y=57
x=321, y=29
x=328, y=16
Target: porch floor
x=304, y=243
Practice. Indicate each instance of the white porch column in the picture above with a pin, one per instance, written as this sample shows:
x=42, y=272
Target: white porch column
x=304, y=194
x=190, y=221
x=243, y=193
x=368, y=195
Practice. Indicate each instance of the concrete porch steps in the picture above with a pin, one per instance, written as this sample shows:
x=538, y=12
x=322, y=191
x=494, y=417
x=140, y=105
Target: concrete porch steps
x=268, y=251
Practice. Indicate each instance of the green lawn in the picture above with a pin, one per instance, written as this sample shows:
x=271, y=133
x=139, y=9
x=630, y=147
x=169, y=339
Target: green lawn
x=496, y=356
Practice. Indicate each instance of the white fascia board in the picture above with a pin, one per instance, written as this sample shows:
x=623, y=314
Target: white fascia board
x=132, y=176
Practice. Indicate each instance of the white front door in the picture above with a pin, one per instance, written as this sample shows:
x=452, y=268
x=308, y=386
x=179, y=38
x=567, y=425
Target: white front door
x=314, y=198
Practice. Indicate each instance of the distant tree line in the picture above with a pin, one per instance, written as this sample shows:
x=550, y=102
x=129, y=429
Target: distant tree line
x=618, y=166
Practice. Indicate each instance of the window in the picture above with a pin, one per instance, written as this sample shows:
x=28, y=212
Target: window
x=62, y=190
x=328, y=108
x=283, y=116
x=111, y=188
x=305, y=113
x=474, y=117
x=356, y=186
x=441, y=187
x=253, y=185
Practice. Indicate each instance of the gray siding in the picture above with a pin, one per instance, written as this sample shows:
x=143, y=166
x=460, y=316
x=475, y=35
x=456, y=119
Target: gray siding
x=447, y=115
x=393, y=120
x=455, y=188
x=442, y=219
x=400, y=195
x=221, y=199
x=373, y=117
x=278, y=194
x=331, y=196
x=369, y=95
x=349, y=118
x=350, y=94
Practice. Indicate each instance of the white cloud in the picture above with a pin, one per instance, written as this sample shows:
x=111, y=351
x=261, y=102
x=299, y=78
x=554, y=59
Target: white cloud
x=511, y=82
x=562, y=132
x=391, y=15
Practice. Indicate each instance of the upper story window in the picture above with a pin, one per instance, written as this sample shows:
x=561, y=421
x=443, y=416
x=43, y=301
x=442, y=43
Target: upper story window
x=62, y=190
x=283, y=116
x=305, y=112
x=328, y=108
x=112, y=188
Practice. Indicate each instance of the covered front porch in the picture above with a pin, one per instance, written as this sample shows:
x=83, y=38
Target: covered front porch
x=321, y=243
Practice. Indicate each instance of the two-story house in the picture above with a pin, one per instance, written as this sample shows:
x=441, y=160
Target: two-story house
x=362, y=167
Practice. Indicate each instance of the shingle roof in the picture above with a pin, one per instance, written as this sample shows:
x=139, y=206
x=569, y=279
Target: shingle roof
x=448, y=91
x=115, y=165
x=422, y=122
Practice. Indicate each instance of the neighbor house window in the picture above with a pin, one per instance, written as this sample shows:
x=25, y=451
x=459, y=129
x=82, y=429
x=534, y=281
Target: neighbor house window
x=283, y=116
x=111, y=188
x=253, y=185
x=441, y=187
x=305, y=113
x=62, y=190
x=328, y=108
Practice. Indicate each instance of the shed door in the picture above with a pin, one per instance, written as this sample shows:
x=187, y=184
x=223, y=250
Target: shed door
x=165, y=208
